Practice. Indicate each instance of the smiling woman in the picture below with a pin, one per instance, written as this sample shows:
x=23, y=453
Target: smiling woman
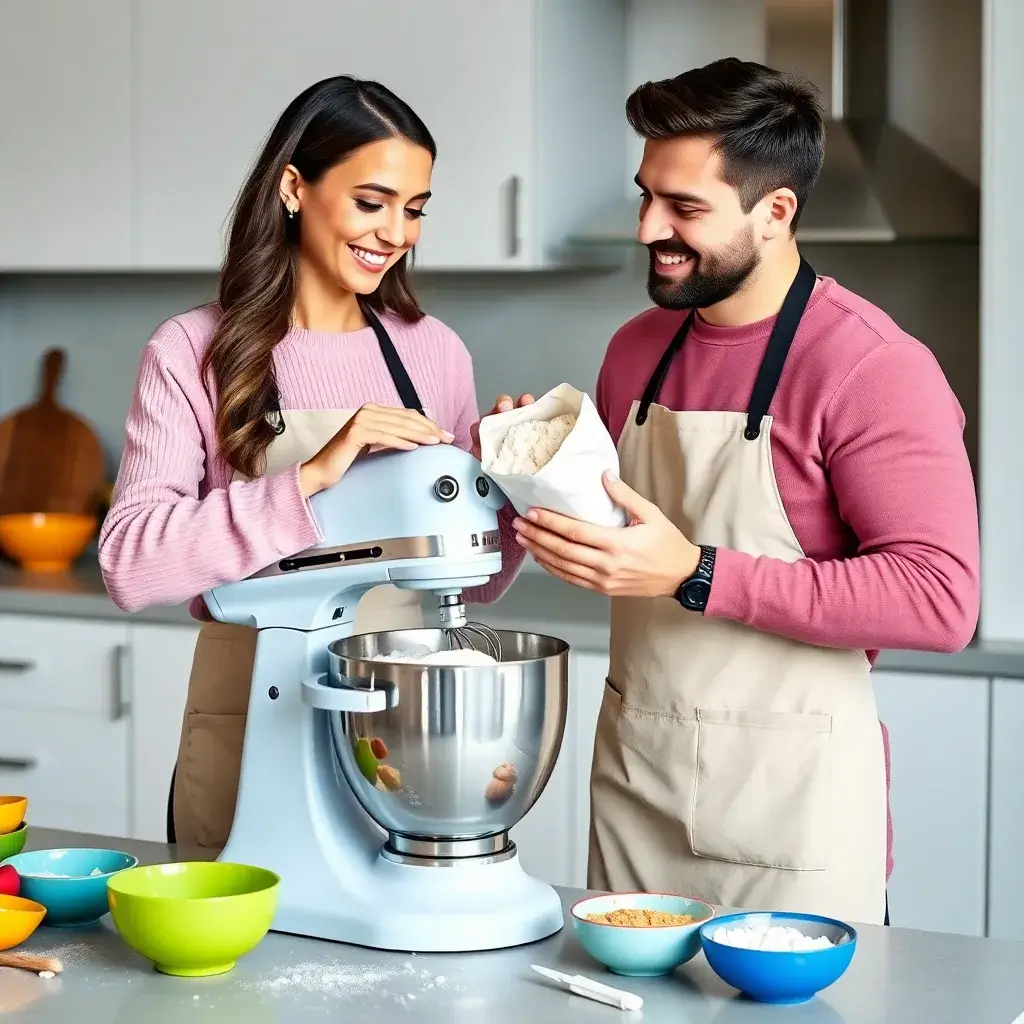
x=315, y=352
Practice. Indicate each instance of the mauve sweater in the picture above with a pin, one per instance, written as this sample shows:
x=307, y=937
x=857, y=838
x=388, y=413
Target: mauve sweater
x=178, y=525
x=870, y=461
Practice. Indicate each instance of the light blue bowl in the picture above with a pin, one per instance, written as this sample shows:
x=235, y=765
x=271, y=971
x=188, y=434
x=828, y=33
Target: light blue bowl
x=78, y=897
x=640, y=952
x=780, y=977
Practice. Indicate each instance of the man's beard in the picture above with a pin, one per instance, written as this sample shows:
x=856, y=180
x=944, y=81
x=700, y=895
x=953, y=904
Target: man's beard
x=713, y=278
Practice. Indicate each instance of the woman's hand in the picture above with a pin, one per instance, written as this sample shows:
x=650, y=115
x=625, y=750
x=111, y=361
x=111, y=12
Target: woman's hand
x=371, y=426
x=503, y=403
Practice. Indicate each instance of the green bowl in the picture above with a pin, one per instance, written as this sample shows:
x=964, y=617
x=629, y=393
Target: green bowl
x=193, y=919
x=13, y=842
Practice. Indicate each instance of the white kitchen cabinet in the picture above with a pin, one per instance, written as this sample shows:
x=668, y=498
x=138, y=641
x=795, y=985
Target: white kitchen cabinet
x=65, y=721
x=65, y=107
x=160, y=667
x=524, y=101
x=1006, y=828
x=939, y=741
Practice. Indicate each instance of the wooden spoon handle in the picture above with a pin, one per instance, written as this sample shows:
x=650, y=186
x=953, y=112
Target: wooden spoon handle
x=28, y=962
x=53, y=370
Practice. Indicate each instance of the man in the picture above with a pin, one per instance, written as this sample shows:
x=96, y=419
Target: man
x=801, y=497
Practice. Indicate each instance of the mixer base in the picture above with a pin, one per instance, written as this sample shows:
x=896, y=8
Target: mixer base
x=453, y=908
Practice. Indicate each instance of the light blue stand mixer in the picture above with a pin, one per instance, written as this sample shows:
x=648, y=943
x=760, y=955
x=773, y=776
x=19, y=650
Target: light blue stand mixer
x=381, y=791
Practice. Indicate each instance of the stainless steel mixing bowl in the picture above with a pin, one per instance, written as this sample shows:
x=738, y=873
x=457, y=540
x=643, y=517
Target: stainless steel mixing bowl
x=467, y=750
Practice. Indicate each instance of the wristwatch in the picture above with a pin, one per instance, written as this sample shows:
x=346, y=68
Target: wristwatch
x=694, y=591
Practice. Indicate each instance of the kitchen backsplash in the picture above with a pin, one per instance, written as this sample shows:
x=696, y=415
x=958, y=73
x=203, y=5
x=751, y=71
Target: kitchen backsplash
x=526, y=331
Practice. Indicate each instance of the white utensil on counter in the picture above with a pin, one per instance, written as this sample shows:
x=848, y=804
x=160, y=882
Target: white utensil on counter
x=581, y=986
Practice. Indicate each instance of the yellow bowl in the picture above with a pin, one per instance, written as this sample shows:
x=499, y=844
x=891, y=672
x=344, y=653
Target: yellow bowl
x=45, y=541
x=12, y=813
x=19, y=918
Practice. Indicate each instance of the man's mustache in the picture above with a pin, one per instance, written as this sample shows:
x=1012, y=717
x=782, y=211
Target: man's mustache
x=675, y=248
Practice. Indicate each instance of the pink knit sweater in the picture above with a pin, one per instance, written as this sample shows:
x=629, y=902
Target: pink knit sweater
x=868, y=449
x=178, y=524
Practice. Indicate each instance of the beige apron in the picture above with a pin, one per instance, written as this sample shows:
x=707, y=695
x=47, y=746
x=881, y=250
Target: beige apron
x=733, y=765
x=210, y=750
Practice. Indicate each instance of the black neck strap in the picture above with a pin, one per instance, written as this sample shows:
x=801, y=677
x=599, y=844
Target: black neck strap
x=399, y=375
x=770, y=371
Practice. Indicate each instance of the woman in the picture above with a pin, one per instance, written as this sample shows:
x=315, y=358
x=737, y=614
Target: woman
x=315, y=350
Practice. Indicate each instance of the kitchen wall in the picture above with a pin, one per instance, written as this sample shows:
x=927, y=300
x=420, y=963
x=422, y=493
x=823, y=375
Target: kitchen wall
x=935, y=77
x=526, y=331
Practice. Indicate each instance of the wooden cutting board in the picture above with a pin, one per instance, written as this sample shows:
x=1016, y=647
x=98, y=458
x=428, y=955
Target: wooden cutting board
x=50, y=459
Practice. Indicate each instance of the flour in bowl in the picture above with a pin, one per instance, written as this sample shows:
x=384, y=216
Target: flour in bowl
x=774, y=938
x=51, y=874
x=464, y=657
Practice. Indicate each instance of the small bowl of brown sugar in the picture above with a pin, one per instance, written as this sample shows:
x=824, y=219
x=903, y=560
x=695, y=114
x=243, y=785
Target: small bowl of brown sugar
x=641, y=934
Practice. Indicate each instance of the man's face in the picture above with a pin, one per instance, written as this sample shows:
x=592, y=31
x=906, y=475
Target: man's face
x=703, y=246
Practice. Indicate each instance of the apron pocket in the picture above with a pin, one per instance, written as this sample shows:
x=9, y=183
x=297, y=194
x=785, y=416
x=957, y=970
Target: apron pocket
x=208, y=774
x=761, y=793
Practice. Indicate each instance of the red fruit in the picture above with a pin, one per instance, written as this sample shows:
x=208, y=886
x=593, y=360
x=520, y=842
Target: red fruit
x=10, y=883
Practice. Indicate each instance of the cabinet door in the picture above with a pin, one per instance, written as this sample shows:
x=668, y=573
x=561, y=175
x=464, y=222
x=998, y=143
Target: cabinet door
x=161, y=663
x=64, y=721
x=938, y=732
x=1006, y=830
x=65, y=102
x=213, y=78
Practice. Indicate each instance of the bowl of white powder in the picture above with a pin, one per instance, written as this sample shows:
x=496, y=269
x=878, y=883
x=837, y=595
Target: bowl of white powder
x=71, y=883
x=776, y=957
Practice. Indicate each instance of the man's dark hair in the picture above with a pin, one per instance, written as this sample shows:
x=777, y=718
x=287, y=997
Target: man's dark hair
x=768, y=127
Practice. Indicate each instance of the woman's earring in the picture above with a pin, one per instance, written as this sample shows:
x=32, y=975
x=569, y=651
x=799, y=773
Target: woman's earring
x=292, y=209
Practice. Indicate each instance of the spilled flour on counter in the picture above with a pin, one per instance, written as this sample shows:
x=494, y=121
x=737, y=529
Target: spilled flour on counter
x=332, y=978
x=70, y=954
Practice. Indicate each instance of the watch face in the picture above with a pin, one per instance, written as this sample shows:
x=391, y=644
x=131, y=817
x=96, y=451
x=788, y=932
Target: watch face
x=696, y=593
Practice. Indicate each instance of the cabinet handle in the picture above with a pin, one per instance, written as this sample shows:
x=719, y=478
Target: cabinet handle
x=16, y=666
x=18, y=764
x=122, y=681
x=513, y=215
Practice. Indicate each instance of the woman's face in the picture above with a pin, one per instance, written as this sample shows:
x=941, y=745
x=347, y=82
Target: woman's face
x=363, y=215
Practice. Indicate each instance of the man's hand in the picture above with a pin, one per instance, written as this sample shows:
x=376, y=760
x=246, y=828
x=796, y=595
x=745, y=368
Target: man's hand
x=504, y=403
x=648, y=558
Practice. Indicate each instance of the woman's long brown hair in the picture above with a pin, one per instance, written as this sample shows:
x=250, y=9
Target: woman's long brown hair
x=258, y=279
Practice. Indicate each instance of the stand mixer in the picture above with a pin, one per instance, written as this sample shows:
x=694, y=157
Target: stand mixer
x=382, y=792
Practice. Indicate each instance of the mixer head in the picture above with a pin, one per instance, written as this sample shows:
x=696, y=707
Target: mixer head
x=420, y=520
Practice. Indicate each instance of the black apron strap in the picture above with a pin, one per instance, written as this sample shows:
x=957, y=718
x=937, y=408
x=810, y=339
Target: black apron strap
x=779, y=343
x=403, y=382
x=653, y=389
x=399, y=375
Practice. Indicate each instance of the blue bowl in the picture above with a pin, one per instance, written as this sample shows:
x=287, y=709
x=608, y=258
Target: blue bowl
x=71, y=884
x=780, y=977
x=640, y=952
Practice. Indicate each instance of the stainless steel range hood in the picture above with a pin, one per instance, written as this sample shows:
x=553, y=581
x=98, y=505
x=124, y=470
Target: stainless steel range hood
x=877, y=184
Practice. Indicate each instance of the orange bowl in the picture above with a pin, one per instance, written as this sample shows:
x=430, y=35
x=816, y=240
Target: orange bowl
x=12, y=813
x=19, y=918
x=45, y=541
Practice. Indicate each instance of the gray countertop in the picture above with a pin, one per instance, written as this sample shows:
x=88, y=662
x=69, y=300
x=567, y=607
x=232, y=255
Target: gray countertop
x=535, y=601
x=896, y=976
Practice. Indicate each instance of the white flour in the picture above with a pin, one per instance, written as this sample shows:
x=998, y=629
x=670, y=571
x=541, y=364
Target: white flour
x=776, y=939
x=70, y=954
x=51, y=874
x=463, y=656
x=329, y=977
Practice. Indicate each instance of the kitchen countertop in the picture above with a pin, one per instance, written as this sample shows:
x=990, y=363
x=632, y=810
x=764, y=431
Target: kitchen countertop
x=896, y=976
x=535, y=601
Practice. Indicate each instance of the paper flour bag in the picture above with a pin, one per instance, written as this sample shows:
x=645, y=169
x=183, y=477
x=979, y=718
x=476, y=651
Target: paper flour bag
x=552, y=455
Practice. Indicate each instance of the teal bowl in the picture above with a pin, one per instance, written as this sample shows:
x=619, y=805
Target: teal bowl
x=640, y=951
x=71, y=884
